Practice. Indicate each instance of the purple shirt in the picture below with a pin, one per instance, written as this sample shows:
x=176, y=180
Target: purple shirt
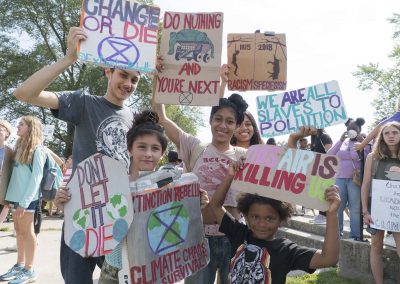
x=348, y=158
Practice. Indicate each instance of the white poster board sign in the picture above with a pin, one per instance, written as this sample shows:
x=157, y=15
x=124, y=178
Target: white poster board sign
x=319, y=106
x=121, y=34
x=385, y=207
x=100, y=211
x=291, y=175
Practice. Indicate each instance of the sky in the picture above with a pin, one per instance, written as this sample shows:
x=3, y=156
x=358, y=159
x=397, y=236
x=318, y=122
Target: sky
x=325, y=41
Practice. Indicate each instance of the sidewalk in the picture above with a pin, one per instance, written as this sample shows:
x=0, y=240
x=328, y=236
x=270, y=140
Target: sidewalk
x=47, y=261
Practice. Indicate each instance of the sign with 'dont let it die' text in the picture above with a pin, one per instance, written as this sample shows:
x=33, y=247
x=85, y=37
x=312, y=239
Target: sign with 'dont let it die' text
x=100, y=211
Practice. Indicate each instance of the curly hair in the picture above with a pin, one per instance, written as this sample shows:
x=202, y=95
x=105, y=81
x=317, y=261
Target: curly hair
x=26, y=144
x=245, y=200
x=381, y=150
x=236, y=102
x=147, y=123
x=256, y=138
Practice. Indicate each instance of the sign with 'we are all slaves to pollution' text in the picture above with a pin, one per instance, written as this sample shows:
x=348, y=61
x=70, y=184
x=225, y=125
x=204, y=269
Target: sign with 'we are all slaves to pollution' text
x=291, y=175
x=121, y=34
x=319, y=106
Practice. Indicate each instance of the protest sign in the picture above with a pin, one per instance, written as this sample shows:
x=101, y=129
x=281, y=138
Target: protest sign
x=191, y=48
x=291, y=175
x=257, y=61
x=385, y=205
x=121, y=34
x=166, y=241
x=319, y=106
x=100, y=211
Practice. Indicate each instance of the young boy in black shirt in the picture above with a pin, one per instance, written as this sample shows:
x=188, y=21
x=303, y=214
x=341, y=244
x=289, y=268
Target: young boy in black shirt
x=259, y=257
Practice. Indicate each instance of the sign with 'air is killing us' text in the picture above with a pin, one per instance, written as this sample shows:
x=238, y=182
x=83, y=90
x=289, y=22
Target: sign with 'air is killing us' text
x=121, y=34
x=291, y=175
x=319, y=106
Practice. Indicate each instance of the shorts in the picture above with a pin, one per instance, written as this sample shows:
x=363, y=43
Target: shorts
x=31, y=207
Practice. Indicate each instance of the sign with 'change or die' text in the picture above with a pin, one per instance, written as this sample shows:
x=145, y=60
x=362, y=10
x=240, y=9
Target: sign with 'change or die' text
x=291, y=175
x=319, y=106
x=121, y=34
x=100, y=211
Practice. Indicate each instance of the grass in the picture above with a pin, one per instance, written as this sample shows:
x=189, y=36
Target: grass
x=4, y=229
x=329, y=277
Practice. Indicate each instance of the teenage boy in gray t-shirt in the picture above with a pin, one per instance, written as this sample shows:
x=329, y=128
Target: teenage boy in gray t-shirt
x=100, y=123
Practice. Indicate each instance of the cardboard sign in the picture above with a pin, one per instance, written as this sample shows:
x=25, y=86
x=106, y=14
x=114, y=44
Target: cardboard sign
x=385, y=206
x=291, y=175
x=166, y=241
x=319, y=106
x=100, y=211
x=191, y=48
x=121, y=34
x=257, y=62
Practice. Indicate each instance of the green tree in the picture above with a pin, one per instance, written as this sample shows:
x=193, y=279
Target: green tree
x=32, y=35
x=386, y=82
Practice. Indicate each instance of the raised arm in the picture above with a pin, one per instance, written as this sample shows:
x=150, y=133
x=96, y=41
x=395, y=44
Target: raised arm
x=224, y=73
x=171, y=129
x=32, y=90
x=370, y=136
x=218, y=198
x=304, y=131
x=329, y=255
x=365, y=188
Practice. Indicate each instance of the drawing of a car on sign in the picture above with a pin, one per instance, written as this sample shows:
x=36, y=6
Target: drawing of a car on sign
x=191, y=44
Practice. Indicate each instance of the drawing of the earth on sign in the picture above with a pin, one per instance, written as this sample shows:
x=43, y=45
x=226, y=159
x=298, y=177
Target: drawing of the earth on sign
x=81, y=219
x=167, y=227
x=117, y=207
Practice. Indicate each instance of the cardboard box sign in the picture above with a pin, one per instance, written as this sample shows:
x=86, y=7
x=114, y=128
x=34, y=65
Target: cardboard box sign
x=257, y=62
x=191, y=47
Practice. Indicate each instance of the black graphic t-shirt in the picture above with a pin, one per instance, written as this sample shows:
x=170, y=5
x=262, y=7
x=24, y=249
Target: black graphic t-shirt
x=388, y=169
x=100, y=126
x=260, y=261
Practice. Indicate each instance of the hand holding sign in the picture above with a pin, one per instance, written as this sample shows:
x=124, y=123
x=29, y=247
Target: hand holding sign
x=75, y=35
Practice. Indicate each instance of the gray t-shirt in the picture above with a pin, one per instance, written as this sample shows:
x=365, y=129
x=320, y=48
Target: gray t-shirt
x=100, y=126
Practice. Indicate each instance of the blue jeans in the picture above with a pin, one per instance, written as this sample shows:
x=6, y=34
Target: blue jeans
x=76, y=269
x=220, y=257
x=350, y=195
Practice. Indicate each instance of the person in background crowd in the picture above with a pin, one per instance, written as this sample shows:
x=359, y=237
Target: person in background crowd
x=23, y=196
x=374, y=133
x=247, y=133
x=382, y=164
x=173, y=160
x=271, y=141
x=5, y=132
x=303, y=144
x=349, y=162
x=321, y=142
